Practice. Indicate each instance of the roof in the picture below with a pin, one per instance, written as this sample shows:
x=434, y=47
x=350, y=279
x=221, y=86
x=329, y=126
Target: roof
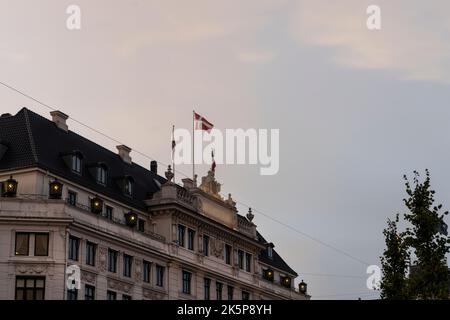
x=34, y=141
x=276, y=261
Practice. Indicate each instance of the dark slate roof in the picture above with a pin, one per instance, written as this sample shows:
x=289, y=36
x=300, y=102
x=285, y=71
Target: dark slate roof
x=276, y=261
x=33, y=140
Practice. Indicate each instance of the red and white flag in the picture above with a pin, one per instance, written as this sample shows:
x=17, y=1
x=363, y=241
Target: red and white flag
x=201, y=123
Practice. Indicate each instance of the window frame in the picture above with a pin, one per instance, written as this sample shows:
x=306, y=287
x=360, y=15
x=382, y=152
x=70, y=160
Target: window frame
x=146, y=274
x=76, y=163
x=248, y=262
x=72, y=195
x=77, y=248
x=240, y=254
x=111, y=294
x=159, y=275
x=207, y=289
x=115, y=254
x=127, y=265
x=86, y=288
x=94, y=253
x=228, y=252
x=34, y=289
x=101, y=175
x=219, y=290
x=205, y=245
x=191, y=239
x=47, y=243
x=230, y=292
x=28, y=244
x=109, y=212
x=186, y=282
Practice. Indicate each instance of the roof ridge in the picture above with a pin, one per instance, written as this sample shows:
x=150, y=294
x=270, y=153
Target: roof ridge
x=30, y=134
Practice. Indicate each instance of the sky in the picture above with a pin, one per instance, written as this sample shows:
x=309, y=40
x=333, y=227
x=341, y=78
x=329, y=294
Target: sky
x=356, y=108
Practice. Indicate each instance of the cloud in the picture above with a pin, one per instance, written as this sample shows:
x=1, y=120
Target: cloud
x=255, y=57
x=413, y=39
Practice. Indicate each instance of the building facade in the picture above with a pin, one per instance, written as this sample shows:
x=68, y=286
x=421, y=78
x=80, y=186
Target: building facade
x=78, y=221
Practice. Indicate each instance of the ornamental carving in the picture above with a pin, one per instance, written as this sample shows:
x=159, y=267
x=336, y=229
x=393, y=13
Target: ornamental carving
x=217, y=248
x=88, y=277
x=119, y=285
x=102, y=258
x=138, y=270
x=149, y=294
x=31, y=268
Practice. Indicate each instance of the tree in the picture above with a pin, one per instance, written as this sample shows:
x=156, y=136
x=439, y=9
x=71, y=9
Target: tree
x=427, y=238
x=429, y=276
x=394, y=263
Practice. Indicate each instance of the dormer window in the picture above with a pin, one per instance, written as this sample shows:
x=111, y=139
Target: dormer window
x=270, y=252
x=101, y=174
x=76, y=163
x=128, y=187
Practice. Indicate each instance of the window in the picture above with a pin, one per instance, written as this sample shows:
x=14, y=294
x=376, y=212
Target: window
x=112, y=260
x=101, y=175
x=30, y=288
x=146, y=266
x=128, y=187
x=109, y=212
x=207, y=288
x=270, y=252
x=159, y=276
x=89, y=292
x=22, y=243
x=90, y=253
x=76, y=163
x=41, y=244
x=187, y=282
x=127, y=260
x=191, y=237
x=141, y=225
x=205, y=245
x=230, y=290
x=126, y=297
x=241, y=259
x=227, y=254
x=248, y=262
x=72, y=198
x=245, y=295
x=219, y=287
x=73, y=248
x=111, y=295
x=72, y=294
x=181, y=232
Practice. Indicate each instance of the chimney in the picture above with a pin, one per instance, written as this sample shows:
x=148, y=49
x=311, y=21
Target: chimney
x=154, y=167
x=124, y=153
x=59, y=119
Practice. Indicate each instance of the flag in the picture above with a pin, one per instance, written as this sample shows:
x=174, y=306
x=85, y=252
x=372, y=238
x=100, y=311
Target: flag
x=213, y=165
x=201, y=123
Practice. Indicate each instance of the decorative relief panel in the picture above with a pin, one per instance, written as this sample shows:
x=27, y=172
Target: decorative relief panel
x=102, y=258
x=119, y=285
x=88, y=277
x=31, y=268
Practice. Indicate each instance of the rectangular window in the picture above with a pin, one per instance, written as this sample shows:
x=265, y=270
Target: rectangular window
x=101, y=175
x=89, y=292
x=72, y=294
x=76, y=163
x=146, y=266
x=112, y=260
x=241, y=259
x=219, y=287
x=73, y=248
x=41, y=244
x=248, y=262
x=30, y=288
x=245, y=295
x=111, y=295
x=72, y=198
x=230, y=290
x=191, y=237
x=109, y=212
x=181, y=232
x=227, y=254
x=91, y=249
x=159, y=276
x=205, y=245
x=127, y=261
x=22, y=243
x=187, y=282
x=126, y=297
x=207, y=288
x=141, y=225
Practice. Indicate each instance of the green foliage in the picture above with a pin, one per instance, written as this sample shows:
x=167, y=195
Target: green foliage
x=429, y=274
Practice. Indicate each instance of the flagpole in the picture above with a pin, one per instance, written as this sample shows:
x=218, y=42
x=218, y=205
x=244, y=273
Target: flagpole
x=193, y=147
x=173, y=152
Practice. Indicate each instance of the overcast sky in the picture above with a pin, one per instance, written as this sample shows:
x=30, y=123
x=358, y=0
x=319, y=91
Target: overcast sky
x=356, y=109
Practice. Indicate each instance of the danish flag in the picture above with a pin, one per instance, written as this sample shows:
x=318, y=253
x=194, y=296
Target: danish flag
x=201, y=123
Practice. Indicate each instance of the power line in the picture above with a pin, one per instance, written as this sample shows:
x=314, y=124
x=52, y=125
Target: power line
x=182, y=173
